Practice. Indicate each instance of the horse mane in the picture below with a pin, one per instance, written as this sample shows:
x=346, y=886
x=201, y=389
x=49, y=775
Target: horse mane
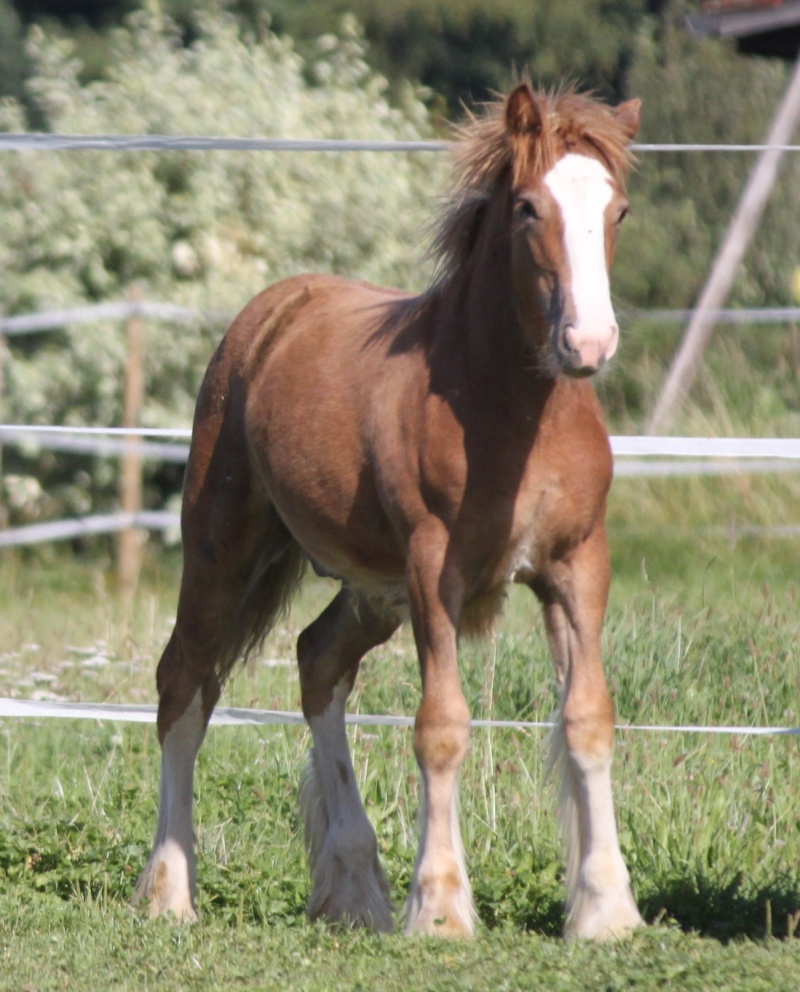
x=485, y=150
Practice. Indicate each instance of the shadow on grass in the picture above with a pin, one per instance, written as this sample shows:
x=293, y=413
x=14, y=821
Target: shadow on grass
x=728, y=911
x=532, y=900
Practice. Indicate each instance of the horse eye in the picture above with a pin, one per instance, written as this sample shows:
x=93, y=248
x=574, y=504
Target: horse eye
x=527, y=209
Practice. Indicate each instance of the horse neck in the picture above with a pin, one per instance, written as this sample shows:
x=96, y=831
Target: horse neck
x=483, y=312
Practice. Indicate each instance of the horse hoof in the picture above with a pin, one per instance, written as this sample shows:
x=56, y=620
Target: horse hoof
x=441, y=911
x=604, y=918
x=449, y=926
x=162, y=898
x=352, y=899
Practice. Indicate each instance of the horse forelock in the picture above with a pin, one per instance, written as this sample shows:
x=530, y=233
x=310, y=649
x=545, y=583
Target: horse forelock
x=577, y=122
x=486, y=153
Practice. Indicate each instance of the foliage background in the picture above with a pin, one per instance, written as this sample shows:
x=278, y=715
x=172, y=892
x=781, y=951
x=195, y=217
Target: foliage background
x=204, y=230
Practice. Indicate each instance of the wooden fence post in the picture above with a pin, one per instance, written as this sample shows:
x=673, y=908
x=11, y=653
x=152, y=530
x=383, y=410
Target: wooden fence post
x=129, y=547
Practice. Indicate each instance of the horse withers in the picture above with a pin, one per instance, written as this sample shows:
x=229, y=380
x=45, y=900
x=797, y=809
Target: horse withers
x=425, y=450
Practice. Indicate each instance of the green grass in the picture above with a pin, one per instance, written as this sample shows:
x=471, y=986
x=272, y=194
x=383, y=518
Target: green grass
x=53, y=945
x=701, y=630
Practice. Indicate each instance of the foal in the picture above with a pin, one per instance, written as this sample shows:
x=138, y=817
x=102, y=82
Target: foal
x=425, y=450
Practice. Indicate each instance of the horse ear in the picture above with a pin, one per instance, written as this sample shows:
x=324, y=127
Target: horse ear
x=627, y=116
x=523, y=116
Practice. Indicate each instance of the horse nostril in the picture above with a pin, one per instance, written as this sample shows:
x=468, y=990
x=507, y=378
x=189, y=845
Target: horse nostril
x=565, y=339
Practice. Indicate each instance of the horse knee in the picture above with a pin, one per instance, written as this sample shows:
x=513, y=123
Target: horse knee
x=441, y=735
x=589, y=726
x=307, y=650
x=320, y=668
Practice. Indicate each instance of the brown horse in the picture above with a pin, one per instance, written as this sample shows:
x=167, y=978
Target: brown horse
x=425, y=450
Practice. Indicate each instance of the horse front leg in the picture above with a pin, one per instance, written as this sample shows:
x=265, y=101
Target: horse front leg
x=600, y=903
x=440, y=901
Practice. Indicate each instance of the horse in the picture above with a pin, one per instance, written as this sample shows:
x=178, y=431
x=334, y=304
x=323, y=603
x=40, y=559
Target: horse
x=425, y=450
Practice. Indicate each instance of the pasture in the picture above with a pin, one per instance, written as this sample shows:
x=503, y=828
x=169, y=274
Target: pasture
x=700, y=631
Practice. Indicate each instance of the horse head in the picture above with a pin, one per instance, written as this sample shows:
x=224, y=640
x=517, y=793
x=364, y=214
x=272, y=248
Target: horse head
x=569, y=156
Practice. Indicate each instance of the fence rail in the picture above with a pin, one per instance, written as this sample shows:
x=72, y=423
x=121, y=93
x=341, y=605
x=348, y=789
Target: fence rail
x=622, y=446
x=45, y=142
x=76, y=442
x=676, y=456
x=49, y=320
x=232, y=716
x=108, y=523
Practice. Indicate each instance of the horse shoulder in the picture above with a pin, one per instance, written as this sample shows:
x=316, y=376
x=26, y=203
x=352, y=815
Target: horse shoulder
x=562, y=497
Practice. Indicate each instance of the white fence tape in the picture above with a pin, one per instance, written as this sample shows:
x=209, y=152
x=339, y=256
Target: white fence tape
x=61, y=530
x=49, y=320
x=706, y=447
x=751, y=315
x=738, y=454
x=636, y=469
x=52, y=439
x=110, y=523
x=36, y=429
x=623, y=446
x=17, y=142
x=229, y=716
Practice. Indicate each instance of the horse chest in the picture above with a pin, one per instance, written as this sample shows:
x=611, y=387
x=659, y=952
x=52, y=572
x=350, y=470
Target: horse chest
x=551, y=517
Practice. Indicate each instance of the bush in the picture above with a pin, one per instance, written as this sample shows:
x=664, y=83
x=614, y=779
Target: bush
x=206, y=230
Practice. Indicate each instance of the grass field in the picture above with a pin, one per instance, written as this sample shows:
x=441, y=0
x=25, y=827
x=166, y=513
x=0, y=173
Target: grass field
x=702, y=630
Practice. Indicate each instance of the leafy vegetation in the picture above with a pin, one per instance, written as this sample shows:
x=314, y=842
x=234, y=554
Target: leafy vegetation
x=461, y=50
x=203, y=230
x=464, y=51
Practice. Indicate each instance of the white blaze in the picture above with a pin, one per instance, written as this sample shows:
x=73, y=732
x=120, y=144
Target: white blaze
x=582, y=188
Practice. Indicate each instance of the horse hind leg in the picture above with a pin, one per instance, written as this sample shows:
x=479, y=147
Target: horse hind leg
x=227, y=604
x=168, y=882
x=348, y=884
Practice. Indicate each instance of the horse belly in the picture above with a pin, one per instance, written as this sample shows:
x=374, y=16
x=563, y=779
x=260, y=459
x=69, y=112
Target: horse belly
x=342, y=529
x=308, y=453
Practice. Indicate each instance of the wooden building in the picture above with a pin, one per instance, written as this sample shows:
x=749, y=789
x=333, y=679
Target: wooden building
x=759, y=27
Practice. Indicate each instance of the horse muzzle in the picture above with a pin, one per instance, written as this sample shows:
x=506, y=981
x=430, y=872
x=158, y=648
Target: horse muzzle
x=581, y=353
